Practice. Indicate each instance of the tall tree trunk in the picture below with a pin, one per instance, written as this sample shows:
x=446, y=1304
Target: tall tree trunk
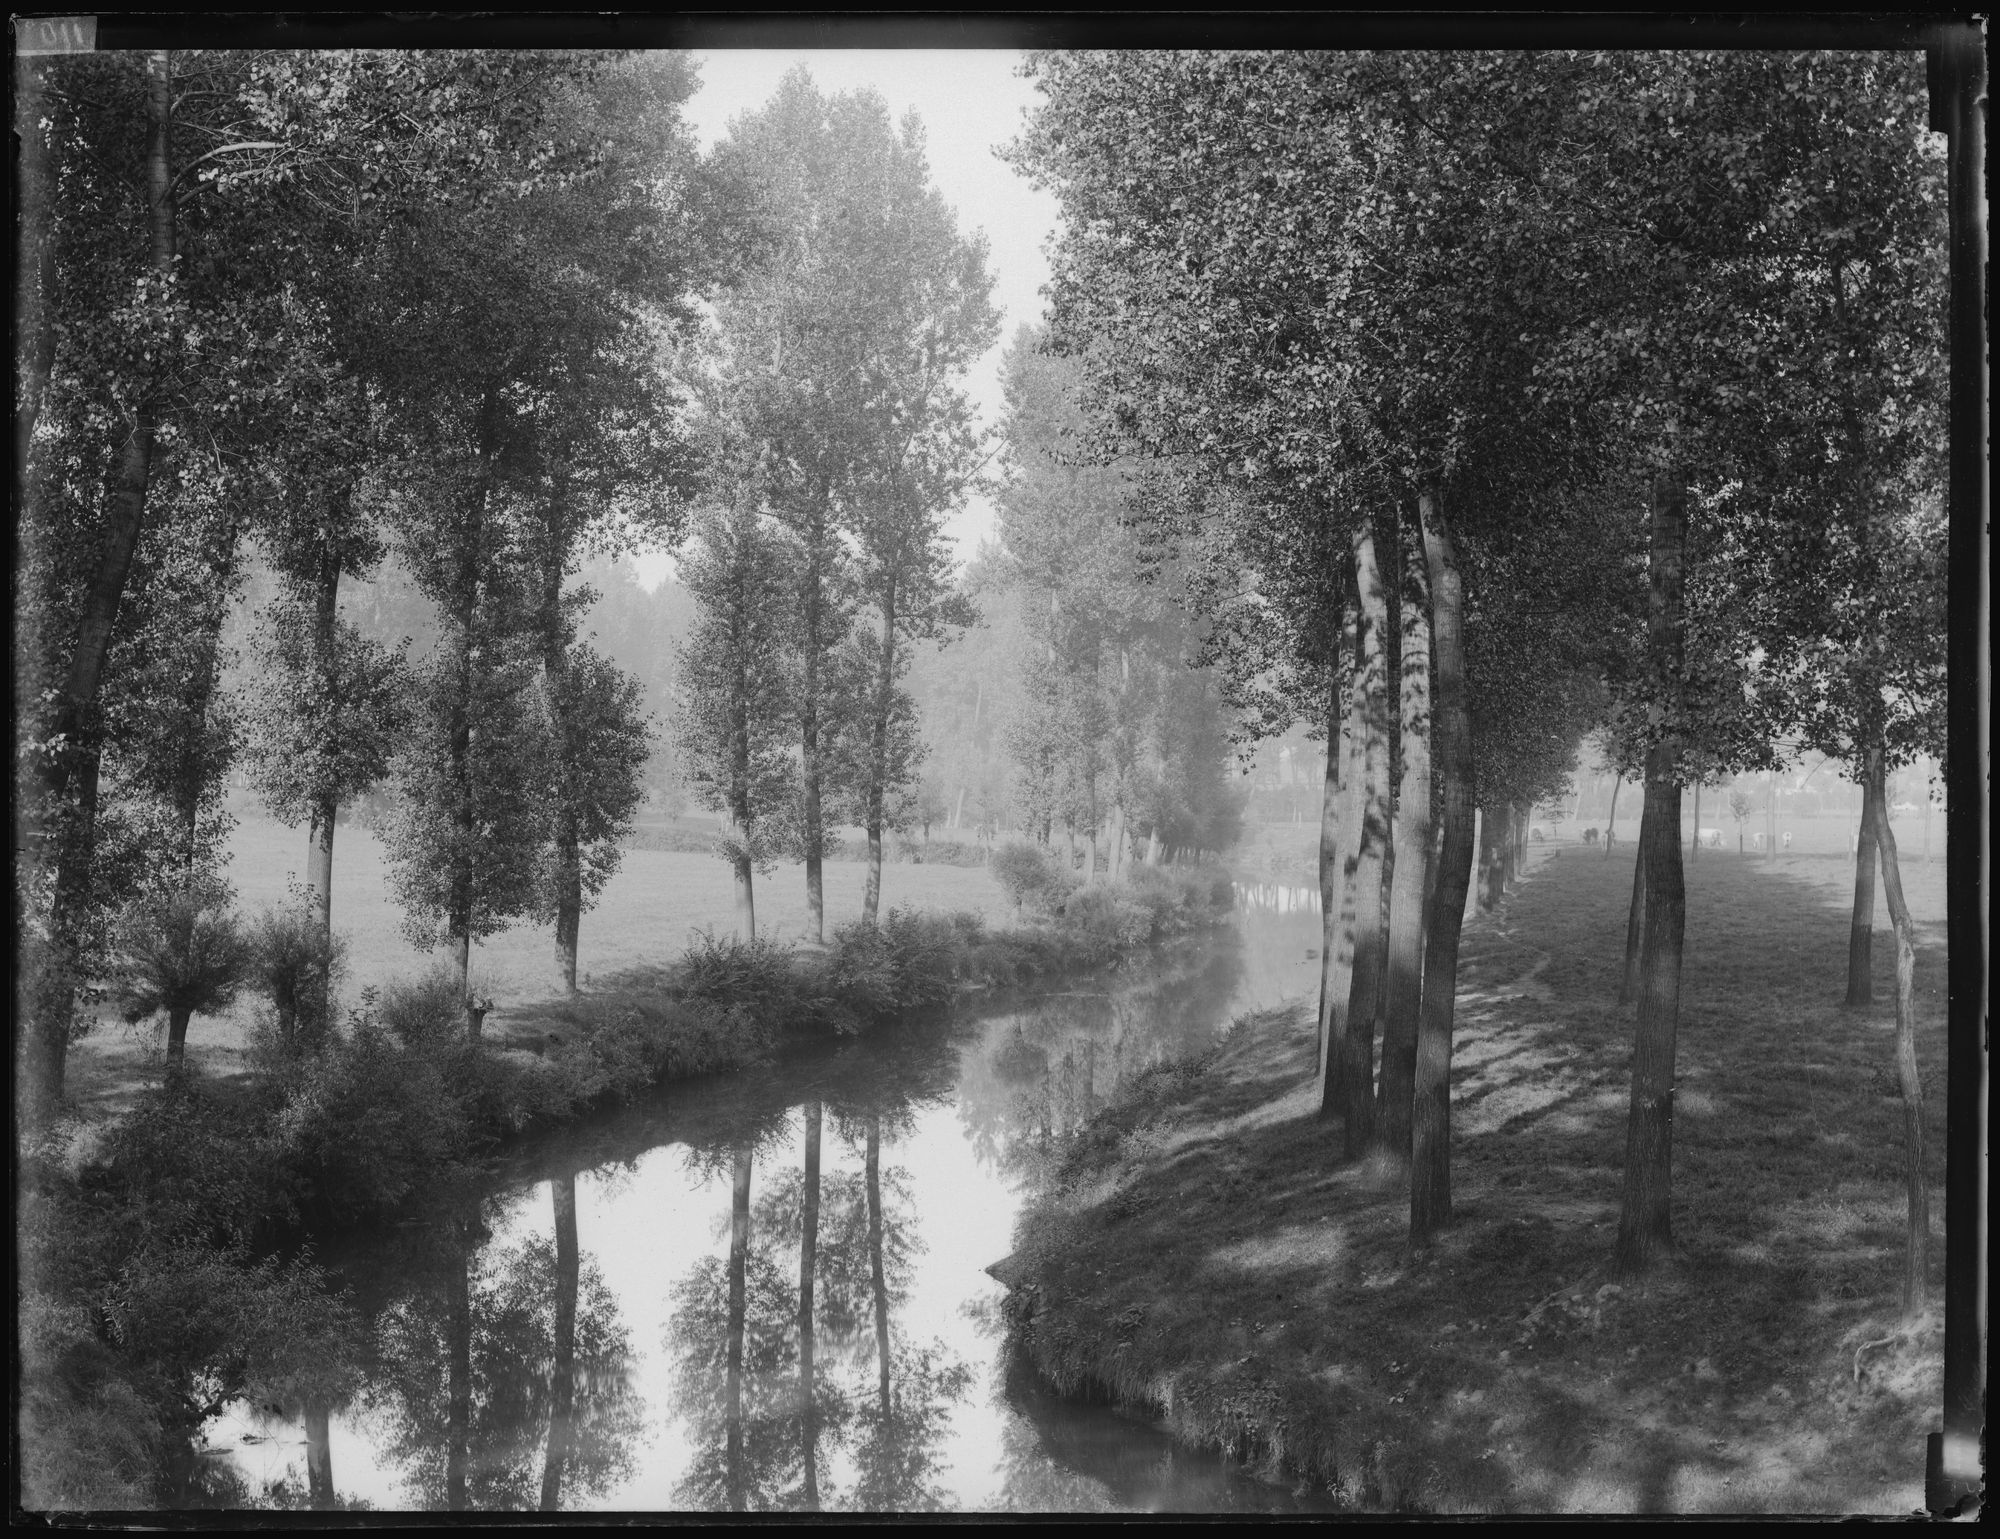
x=1091, y=878
x=1611, y=819
x=1917, y=1246
x=739, y=1250
x=566, y=834
x=562, y=1391
x=319, y=1456
x=746, y=900
x=877, y=1276
x=1337, y=919
x=458, y=1423
x=878, y=754
x=1771, y=819
x=1635, y=921
x=71, y=776
x=1695, y=847
x=464, y=732
x=1372, y=850
x=1411, y=885
x=1490, y=836
x=1645, y=1229
x=1861, y=927
x=319, y=834
x=810, y=766
x=1430, y=1104
x=808, y=1251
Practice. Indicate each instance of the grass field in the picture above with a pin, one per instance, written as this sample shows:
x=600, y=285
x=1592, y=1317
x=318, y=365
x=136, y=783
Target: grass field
x=645, y=915
x=1507, y=1369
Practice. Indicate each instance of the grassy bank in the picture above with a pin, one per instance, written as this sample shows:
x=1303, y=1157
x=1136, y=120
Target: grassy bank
x=1202, y=1253
x=151, y=1246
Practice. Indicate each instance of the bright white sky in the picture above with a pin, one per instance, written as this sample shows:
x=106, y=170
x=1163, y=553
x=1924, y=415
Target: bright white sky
x=971, y=102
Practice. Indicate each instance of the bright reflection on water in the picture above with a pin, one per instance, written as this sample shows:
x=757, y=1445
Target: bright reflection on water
x=615, y=1322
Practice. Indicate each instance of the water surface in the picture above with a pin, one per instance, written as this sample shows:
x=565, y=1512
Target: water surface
x=613, y=1320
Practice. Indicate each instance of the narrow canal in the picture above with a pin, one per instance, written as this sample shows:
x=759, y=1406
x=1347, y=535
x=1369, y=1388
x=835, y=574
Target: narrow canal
x=613, y=1320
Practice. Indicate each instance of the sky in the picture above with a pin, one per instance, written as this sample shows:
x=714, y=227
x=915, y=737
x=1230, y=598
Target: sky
x=971, y=102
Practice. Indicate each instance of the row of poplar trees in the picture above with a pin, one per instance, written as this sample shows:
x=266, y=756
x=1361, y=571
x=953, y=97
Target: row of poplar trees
x=835, y=439
x=1501, y=398
x=485, y=316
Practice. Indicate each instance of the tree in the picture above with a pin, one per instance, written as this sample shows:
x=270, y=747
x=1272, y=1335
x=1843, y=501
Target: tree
x=736, y=685
x=181, y=955
x=1740, y=808
x=187, y=197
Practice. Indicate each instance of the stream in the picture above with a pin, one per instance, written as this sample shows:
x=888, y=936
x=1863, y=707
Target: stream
x=611, y=1320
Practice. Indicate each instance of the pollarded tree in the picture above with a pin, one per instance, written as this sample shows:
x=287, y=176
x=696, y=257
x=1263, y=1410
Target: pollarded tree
x=735, y=682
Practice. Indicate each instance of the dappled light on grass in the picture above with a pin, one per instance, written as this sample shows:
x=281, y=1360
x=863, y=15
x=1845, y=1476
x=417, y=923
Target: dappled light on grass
x=1272, y=1290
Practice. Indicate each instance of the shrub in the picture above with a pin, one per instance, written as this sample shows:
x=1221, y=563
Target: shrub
x=758, y=977
x=1029, y=877
x=367, y=1123
x=297, y=964
x=924, y=949
x=861, y=974
x=427, y=1008
x=1107, y=914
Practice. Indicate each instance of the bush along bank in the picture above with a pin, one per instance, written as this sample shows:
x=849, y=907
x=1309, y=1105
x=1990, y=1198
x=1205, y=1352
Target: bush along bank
x=163, y=1276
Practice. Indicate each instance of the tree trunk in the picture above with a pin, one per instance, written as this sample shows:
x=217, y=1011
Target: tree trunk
x=1645, y=1229
x=1917, y=1247
x=1771, y=820
x=1635, y=921
x=877, y=1276
x=458, y=1424
x=562, y=1390
x=1372, y=850
x=72, y=774
x=1410, y=887
x=1337, y=917
x=319, y=1457
x=808, y=1248
x=1695, y=847
x=1430, y=1106
x=1611, y=819
x=1490, y=836
x=177, y=1030
x=464, y=733
x=1861, y=926
x=739, y=1249
x=746, y=900
x=1092, y=854
x=878, y=768
x=325, y=810
x=810, y=768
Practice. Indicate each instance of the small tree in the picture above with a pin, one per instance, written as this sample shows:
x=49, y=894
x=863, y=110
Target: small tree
x=1739, y=809
x=294, y=959
x=180, y=955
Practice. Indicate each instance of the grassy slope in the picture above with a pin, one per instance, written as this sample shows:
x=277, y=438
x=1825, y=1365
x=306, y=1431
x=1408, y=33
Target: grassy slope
x=1204, y=1253
x=644, y=917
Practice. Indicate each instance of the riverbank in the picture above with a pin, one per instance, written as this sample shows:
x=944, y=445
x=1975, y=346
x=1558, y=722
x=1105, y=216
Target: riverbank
x=1200, y=1254
x=149, y=1247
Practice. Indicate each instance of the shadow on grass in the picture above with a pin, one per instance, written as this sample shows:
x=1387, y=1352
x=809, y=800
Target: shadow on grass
x=1208, y=1256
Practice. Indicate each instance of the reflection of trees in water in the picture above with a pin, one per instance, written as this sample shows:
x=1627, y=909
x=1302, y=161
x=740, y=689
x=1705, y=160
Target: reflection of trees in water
x=786, y=1353
x=470, y=1381
x=1041, y=1074
x=1032, y=1481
